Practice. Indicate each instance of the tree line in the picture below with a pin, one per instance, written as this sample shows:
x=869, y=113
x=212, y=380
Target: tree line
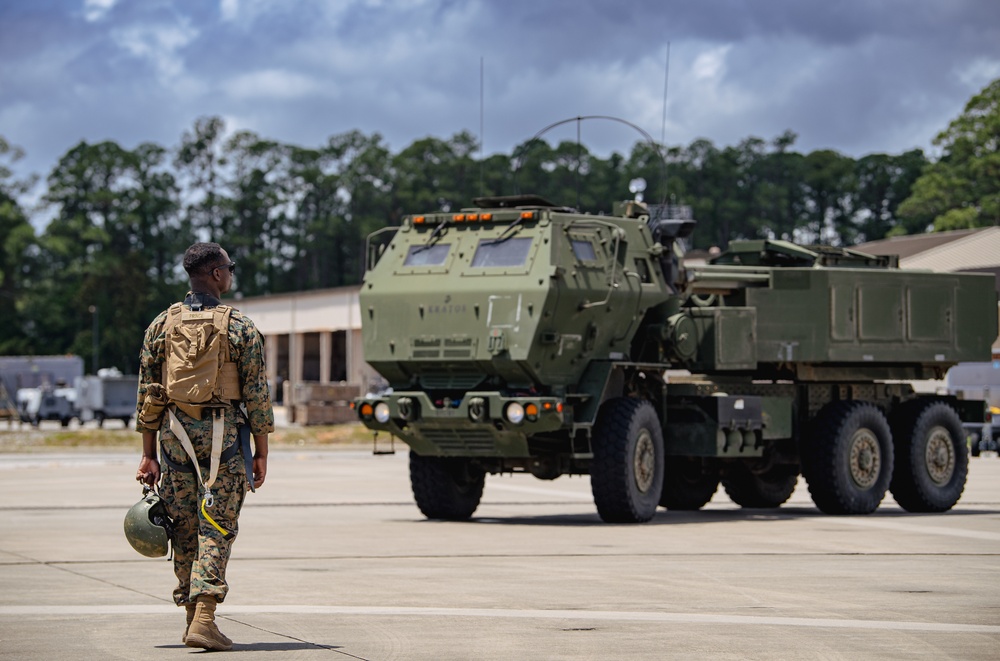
x=295, y=218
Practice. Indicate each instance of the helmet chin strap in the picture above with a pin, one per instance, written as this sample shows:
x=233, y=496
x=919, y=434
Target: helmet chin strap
x=160, y=519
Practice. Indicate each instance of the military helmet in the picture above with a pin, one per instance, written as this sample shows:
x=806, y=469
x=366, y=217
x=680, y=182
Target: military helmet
x=147, y=526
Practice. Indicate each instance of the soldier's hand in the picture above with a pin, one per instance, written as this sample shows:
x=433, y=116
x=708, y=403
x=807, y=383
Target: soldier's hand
x=259, y=470
x=148, y=471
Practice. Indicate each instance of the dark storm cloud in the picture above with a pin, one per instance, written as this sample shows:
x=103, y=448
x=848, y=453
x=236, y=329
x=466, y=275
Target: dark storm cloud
x=856, y=76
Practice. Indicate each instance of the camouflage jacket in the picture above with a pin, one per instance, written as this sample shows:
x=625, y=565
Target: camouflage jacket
x=246, y=349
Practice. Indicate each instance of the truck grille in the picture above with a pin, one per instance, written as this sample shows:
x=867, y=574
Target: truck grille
x=478, y=441
x=450, y=377
x=449, y=347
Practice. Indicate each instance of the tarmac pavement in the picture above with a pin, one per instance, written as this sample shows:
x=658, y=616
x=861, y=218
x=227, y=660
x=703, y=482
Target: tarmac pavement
x=334, y=561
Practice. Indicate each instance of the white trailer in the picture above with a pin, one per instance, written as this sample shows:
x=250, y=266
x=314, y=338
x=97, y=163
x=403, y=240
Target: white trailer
x=107, y=395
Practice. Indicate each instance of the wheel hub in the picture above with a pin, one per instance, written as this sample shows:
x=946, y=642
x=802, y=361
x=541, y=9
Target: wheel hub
x=939, y=456
x=865, y=458
x=644, y=461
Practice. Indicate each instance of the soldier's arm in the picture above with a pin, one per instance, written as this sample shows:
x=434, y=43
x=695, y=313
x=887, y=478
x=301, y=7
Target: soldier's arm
x=259, y=459
x=256, y=395
x=253, y=380
x=149, y=465
x=150, y=368
x=150, y=365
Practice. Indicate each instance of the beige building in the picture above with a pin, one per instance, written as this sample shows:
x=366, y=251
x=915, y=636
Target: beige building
x=975, y=250
x=311, y=336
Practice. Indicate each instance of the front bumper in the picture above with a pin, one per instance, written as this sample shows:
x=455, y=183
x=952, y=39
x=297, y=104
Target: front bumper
x=487, y=424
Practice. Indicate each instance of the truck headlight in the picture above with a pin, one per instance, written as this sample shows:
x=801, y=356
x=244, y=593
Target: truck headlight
x=382, y=412
x=514, y=413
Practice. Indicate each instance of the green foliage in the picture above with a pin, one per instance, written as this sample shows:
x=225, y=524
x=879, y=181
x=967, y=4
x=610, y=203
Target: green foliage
x=296, y=218
x=109, y=252
x=962, y=189
x=17, y=244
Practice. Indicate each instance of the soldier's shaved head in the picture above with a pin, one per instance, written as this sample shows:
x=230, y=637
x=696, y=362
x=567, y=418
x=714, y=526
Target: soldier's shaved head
x=202, y=257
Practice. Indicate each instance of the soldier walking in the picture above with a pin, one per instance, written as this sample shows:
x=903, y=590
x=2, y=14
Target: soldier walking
x=200, y=361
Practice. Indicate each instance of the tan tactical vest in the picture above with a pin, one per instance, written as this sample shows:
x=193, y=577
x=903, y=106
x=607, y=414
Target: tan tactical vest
x=197, y=369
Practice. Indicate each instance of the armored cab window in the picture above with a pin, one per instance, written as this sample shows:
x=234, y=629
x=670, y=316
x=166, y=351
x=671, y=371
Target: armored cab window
x=584, y=250
x=510, y=252
x=427, y=255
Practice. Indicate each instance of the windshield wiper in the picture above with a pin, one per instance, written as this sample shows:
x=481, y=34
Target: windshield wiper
x=433, y=237
x=508, y=232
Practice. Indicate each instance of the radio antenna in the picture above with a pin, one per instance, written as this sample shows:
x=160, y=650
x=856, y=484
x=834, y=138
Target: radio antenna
x=663, y=128
x=579, y=158
x=482, y=137
x=666, y=80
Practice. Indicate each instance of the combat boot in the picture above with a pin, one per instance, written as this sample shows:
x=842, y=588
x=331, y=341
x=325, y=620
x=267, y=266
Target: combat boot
x=203, y=632
x=190, y=616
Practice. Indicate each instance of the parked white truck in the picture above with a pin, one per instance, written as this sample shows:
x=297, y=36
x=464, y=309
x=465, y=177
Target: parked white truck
x=110, y=394
x=979, y=381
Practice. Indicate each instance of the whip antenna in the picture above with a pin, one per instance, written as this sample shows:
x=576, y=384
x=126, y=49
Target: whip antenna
x=663, y=128
x=666, y=79
x=482, y=137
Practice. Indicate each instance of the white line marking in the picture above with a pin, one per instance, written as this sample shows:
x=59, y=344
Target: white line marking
x=604, y=616
x=916, y=528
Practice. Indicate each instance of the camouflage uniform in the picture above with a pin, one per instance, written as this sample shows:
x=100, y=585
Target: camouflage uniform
x=201, y=552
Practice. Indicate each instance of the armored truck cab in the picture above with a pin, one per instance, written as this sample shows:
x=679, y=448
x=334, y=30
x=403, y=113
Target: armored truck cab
x=521, y=298
x=522, y=336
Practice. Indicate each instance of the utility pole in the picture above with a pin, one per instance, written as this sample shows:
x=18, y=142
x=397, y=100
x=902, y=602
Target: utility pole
x=94, y=310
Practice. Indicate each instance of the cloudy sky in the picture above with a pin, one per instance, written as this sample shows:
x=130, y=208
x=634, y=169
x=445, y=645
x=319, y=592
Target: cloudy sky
x=858, y=76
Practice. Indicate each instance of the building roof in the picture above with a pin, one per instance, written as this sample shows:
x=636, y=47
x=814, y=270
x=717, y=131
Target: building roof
x=913, y=244
x=960, y=250
x=974, y=251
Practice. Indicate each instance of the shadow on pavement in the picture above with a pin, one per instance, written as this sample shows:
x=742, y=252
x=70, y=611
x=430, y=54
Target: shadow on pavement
x=289, y=646
x=673, y=518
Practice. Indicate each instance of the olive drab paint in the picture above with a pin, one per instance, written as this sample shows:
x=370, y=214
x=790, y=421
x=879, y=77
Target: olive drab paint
x=509, y=331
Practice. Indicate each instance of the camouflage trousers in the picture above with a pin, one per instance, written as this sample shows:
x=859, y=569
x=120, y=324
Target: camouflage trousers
x=201, y=552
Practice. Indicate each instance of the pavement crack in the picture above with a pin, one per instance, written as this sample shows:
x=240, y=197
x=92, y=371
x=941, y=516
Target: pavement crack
x=60, y=566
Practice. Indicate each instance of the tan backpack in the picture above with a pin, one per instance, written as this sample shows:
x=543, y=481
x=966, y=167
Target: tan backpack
x=197, y=370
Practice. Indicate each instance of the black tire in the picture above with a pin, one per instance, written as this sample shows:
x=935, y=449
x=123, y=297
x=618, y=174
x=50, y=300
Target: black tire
x=932, y=460
x=761, y=487
x=100, y=419
x=626, y=475
x=848, y=463
x=448, y=488
x=688, y=483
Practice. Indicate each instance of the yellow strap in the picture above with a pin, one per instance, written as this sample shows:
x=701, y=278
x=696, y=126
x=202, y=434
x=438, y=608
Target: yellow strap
x=208, y=518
